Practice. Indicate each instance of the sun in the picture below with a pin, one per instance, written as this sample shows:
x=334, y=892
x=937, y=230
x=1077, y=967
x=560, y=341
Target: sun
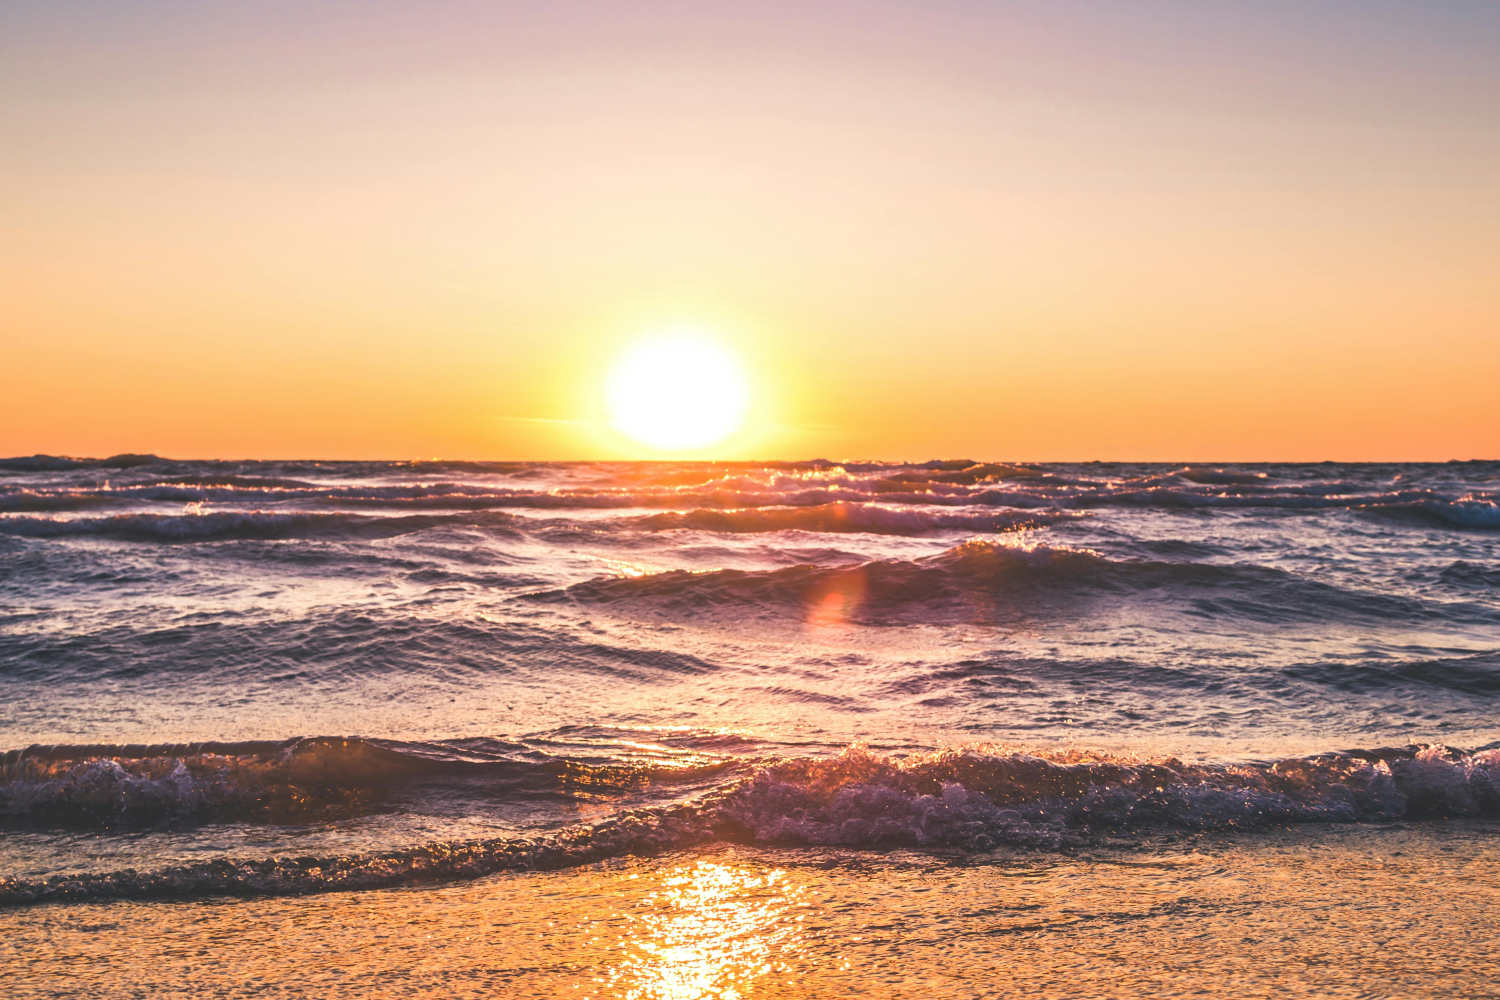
x=677, y=392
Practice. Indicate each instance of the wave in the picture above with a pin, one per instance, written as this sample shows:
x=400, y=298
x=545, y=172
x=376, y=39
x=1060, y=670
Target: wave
x=959, y=473
x=128, y=460
x=1462, y=573
x=54, y=500
x=690, y=492
x=62, y=463
x=227, y=525
x=302, y=780
x=979, y=800
x=474, y=511
x=334, y=647
x=1470, y=512
x=243, y=490
x=966, y=800
x=1200, y=499
x=1215, y=476
x=841, y=517
x=441, y=496
x=1476, y=674
x=989, y=580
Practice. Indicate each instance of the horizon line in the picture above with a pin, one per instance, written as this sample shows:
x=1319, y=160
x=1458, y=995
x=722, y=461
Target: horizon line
x=143, y=458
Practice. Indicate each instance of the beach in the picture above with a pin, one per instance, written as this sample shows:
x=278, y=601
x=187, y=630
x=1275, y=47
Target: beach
x=1399, y=911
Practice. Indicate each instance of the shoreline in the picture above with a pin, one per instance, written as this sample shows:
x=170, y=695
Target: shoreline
x=1273, y=914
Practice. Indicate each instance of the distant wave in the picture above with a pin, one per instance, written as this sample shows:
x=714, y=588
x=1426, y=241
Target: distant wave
x=243, y=490
x=59, y=463
x=842, y=517
x=220, y=526
x=1291, y=499
x=970, y=800
x=1426, y=495
x=987, y=580
x=1214, y=476
x=67, y=463
x=836, y=501
x=1471, y=512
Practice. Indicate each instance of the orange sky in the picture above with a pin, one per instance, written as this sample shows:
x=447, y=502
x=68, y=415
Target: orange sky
x=1150, y=230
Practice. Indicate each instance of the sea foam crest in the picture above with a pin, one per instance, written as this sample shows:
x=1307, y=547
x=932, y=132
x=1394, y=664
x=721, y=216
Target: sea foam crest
x=978, y=800
x=971, y=800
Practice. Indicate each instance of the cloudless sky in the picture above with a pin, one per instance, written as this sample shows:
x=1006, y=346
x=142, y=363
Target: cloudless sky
x=1149, y=230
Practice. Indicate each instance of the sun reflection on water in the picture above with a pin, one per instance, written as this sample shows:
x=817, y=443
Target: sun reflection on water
x=709, y=931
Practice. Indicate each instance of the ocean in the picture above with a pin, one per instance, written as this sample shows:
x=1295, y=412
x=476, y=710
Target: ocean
x=878, y=725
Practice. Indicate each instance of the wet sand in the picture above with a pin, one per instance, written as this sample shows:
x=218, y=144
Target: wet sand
x=1398, y=911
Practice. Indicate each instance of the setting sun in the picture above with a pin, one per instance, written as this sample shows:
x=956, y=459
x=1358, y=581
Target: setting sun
x=677, y=392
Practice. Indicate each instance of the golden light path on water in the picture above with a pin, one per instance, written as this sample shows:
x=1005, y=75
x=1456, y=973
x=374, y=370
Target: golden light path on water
x=710, y=931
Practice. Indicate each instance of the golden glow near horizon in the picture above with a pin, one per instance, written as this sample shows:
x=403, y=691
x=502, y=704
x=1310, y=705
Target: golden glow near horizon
x=676, y=392
x=1033, y=230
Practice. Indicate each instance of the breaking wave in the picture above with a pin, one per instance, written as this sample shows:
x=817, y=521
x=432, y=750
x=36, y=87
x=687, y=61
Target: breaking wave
x=301, y=780
x=966, y=800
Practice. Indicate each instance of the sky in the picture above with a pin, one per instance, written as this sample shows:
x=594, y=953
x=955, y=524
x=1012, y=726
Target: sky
x=1063, y=230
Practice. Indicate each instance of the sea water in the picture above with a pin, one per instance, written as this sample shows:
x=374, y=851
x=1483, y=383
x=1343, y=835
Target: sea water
x=277, y=679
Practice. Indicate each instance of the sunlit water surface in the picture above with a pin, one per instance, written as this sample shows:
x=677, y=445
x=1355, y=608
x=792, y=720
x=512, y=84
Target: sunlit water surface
x=265, y=679
x=1351, y=912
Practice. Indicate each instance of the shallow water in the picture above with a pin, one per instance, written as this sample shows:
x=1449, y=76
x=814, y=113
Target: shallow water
x=258, y=678
x=1348, y=911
